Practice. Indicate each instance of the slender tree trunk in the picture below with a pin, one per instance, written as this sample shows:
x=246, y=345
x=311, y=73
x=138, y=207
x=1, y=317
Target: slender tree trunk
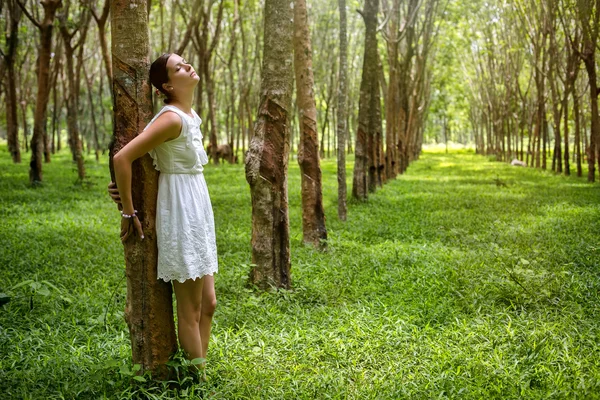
x=149, y=309
x=12, y=122
x=212, y=111
x=25, y=126
x=342, y=127
x=313, y=215
x=545, y=143
x=267, y=159
x=72, y=107
x=566, y=133
x=392, y=100
x=577, y=132
x=37, y=140
x=101, y=21
x=88, y=82
x=54, y=118
x=590, y=66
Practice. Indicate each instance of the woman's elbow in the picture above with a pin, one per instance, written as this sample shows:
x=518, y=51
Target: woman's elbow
x=119, y=161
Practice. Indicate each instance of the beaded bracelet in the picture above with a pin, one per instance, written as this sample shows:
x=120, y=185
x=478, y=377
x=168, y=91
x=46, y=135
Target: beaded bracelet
x=127, y=216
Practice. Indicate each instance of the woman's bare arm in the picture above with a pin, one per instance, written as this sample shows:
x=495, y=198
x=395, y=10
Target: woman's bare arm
x=166, y=127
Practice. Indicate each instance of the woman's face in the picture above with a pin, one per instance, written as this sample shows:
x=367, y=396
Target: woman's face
x=181, y=74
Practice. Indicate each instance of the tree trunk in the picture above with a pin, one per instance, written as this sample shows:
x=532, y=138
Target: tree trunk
x=72, y=101
x=12, y=123
x=101, y=21
x=391, y=100
x=313, y=215
x=88, y=82
x=149, y=309
x=590, y=66
x=342, y=127
x=366, y=109
x=577, y=132
x=267, y=159
x=39, y=125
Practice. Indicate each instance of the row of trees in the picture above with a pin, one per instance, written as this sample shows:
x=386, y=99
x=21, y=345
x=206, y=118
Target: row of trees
x=287, y=43
x=55, y=71
x=378, y=82
x=76, y=73
x=530, y=68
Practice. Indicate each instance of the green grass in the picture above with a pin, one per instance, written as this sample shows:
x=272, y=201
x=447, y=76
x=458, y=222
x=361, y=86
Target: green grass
x=463, y=278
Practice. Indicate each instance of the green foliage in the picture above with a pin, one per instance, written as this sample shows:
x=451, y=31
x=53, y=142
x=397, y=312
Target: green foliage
x=442, y=285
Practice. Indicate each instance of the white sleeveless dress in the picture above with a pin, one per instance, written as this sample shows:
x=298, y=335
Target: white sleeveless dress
x=185, y=227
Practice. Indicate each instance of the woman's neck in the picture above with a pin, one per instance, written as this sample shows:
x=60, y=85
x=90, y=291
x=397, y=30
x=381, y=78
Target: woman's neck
x=184, y=105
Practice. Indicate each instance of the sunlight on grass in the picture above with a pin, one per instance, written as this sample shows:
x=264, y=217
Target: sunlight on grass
x=463, y=278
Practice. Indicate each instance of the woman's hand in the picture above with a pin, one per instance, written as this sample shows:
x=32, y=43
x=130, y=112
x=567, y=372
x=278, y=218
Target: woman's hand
x=129, y=226
x=113, y=192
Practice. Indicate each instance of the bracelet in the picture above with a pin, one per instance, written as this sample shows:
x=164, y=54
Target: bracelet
x=127, y=216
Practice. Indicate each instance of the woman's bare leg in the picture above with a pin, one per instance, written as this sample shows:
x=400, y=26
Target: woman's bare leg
x=209, y=303
x=189, y=310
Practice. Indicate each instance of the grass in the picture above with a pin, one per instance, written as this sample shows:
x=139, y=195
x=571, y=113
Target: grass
x=463, y=278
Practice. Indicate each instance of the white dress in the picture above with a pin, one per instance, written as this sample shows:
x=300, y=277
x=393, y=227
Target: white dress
x=185, y=228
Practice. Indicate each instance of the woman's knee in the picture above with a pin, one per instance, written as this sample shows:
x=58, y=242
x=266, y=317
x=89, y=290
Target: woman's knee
x=189, y=315
x=209, y=306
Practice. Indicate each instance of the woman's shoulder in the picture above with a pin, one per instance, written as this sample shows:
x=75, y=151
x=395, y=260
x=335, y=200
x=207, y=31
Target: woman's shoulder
x=170, y=117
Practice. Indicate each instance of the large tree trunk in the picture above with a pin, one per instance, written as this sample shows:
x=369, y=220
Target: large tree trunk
x=369, y=88
x=39, y=125
x=12, y=124
x=342, y=127
x=149, y=309
x=267, y=159
x=313, y=215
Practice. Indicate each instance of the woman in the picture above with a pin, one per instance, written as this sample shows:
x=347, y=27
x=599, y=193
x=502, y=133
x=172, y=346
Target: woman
x=187, y=252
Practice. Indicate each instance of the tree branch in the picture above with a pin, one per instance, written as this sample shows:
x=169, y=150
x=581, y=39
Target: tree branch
x=33, y=21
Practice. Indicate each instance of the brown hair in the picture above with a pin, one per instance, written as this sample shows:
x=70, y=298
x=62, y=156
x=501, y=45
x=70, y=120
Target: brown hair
x=159, y=74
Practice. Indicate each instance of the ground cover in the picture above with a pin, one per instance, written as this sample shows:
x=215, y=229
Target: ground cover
x=463, y=278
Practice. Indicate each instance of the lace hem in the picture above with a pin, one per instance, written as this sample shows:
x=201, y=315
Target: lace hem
x=183, y=278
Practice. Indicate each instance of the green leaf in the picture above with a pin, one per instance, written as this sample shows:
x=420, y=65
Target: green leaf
x=43, y=291
x=139, y=378
x=198, y=360
x=111, y=364
x=18, y=285
x=51, y=285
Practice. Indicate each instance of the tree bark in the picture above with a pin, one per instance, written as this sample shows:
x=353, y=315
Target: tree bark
x=39, y=125
x=392, y=102
x=590, y=66
x=149, y=309
x=101, y=21
x=577, y=131
x=73, y=88
x=369, y=88
x=313, y=214
x=342, y=127
x=12, y=123
x=267, y=159
x=88, y=82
